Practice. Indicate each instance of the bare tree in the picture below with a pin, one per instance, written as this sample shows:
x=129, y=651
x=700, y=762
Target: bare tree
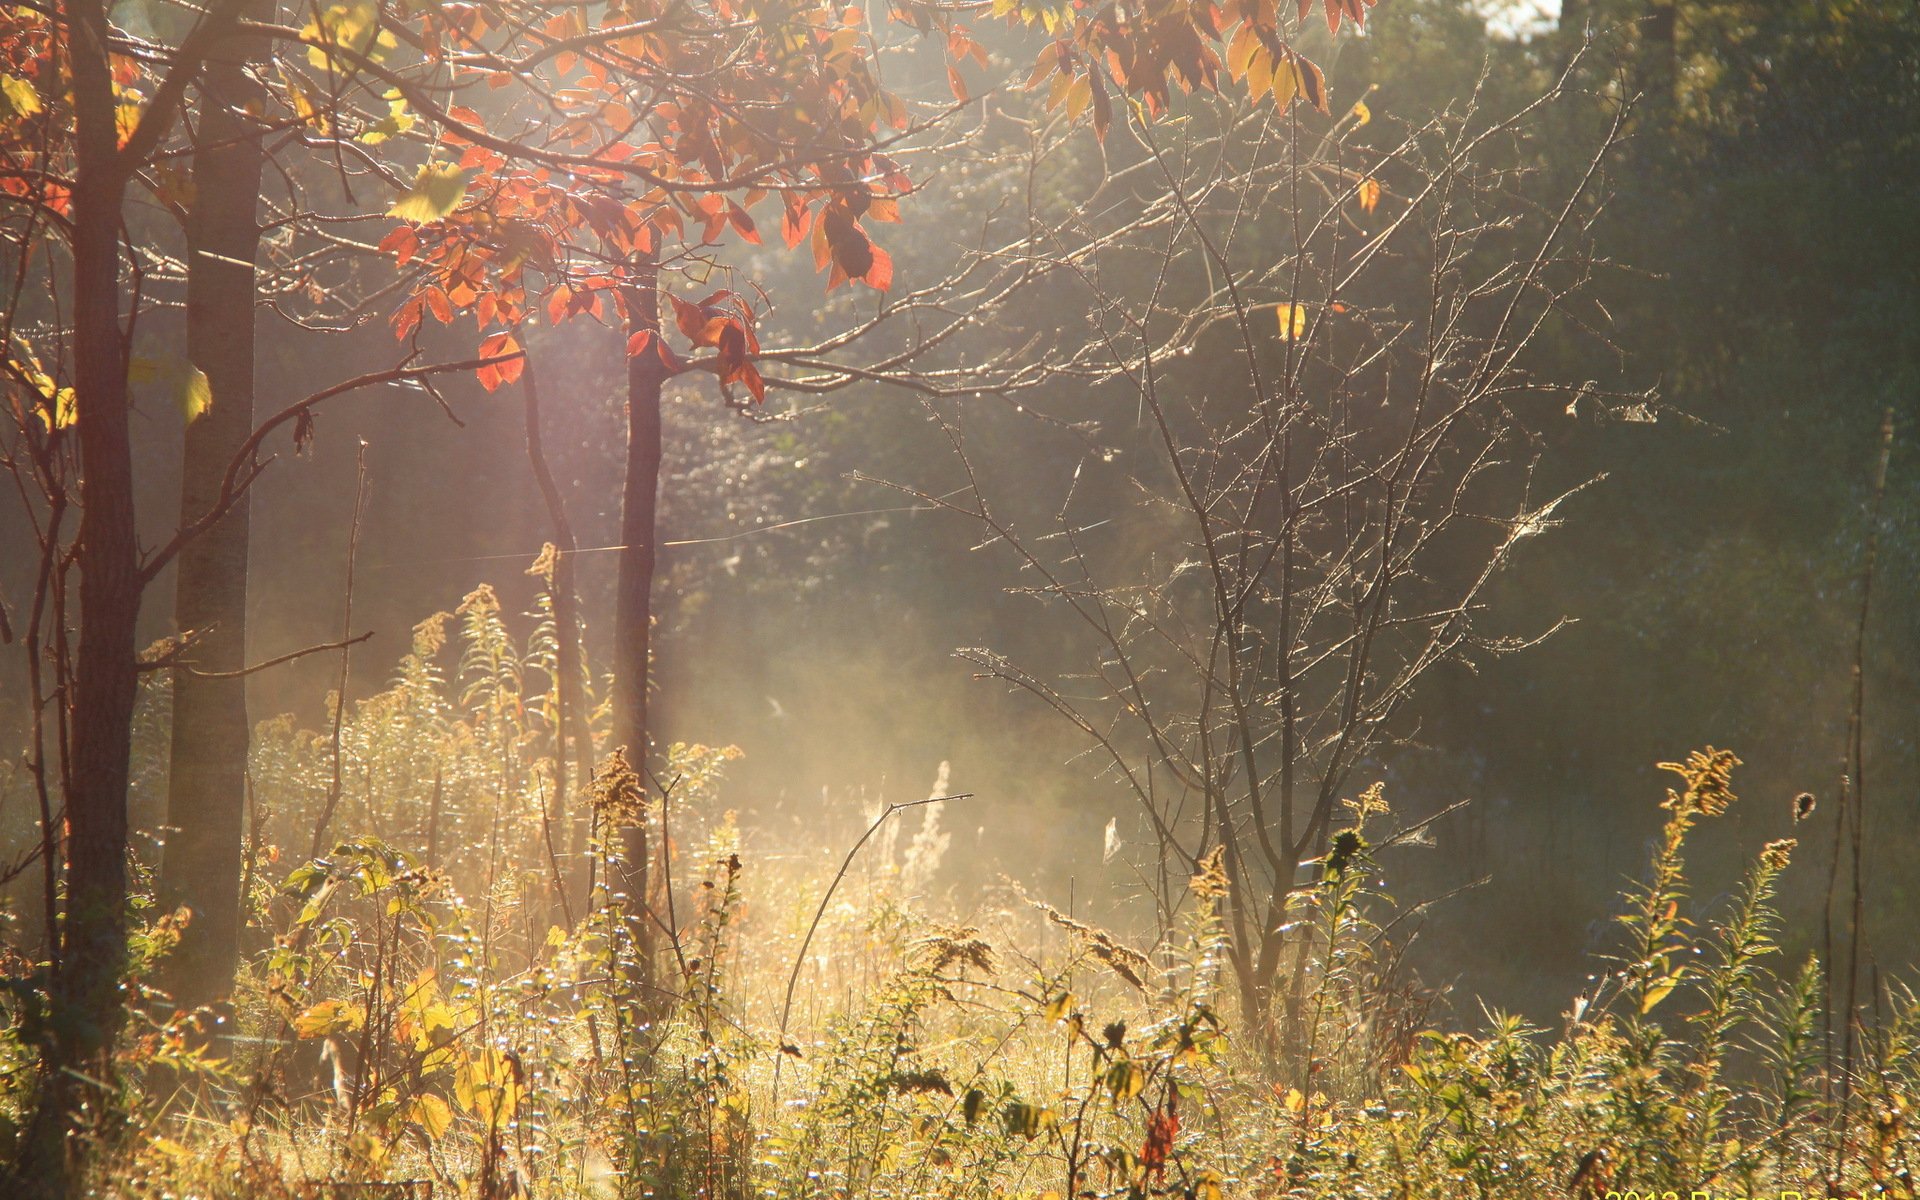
x=1325, y=348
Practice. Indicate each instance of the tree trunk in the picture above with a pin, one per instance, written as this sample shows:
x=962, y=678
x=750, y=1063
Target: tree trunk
x=633, y=600
x=206, y=795
x=571, y=724
x=88, y=1008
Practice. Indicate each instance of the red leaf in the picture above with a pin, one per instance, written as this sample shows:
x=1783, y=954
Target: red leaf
x=796, y=221
x=688, y=317
x=1313, y=84
x=638, y=343
x=500, y=345
x=403, y=243
x=755, y=384
x=851, y=250
x=406, y=320
x=1102, y=106
x=1162, y=1127
x=742, y=223
x=880, y=275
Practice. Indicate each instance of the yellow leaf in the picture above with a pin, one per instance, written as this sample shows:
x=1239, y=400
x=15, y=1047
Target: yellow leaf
x=397, y=121
x=1293, y=1100
x=487, y=1085
x=18, y=97
x=329, y=1017
x=1361, y=113
x=310, y=111
x=1658, y=992
x=351, y=27
x=196, y=394
x=1369, y=194
x=431, y=1114
x=126, y=116
x=369, y=1149
x=437, y=191
x=1293, y=321
x=1125, y=1080
x=57, y=408
x=1059, y=1006
x=1286, y=83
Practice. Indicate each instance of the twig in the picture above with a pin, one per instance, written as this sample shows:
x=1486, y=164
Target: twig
x=346, y=651
x=793, y=977
x=322, y=648
x=1852, y=814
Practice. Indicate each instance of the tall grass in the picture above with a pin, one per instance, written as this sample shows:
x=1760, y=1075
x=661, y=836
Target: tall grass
x=425, y=1011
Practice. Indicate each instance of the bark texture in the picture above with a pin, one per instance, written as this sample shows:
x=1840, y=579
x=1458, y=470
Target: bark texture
x=207, y=778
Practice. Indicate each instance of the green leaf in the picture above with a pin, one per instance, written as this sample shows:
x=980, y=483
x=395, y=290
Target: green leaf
x=436, y=192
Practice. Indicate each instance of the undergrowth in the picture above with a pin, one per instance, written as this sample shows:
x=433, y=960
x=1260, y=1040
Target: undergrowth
x=446, y=1002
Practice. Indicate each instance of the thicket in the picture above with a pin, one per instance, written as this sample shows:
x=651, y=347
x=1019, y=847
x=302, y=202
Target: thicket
x=422, y=1013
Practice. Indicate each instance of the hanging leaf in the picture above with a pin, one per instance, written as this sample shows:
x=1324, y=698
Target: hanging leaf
x=177, y=377
x=1369, y=194
x=506, y=347
x=1313, y=83
x=1361, y=113
x=1293, y=321
x=437, y=191
x=195, y=394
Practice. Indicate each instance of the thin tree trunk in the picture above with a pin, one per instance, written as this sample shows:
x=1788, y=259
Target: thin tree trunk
x=571, y=723
x=78, y=1052
x=633, y=600
x=206, y=793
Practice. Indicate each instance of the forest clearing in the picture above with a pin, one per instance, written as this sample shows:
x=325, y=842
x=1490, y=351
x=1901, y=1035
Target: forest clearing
x=1001, y=599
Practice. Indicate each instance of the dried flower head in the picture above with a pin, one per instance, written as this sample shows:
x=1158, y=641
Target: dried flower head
x=945, y=947
x=1370, y=802
x=430, y=635
x=542, y=568
x=1709, y=776
x=479, y=602
x=1210, y=880
x=1126, y=962
x=618, y=796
